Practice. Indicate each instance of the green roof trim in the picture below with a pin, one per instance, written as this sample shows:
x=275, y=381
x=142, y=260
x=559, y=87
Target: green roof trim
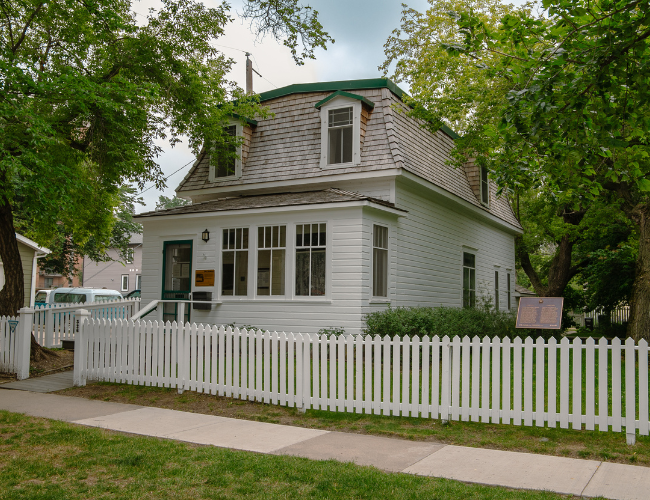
x=341, y=93
x=303, y=88
x=247, y=120
x=449, y=132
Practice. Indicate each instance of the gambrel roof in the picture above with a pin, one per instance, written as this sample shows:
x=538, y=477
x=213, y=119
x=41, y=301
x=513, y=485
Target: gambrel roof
x=288, y=145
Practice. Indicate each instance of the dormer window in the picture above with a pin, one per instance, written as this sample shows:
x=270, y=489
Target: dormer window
x=226, y=160
x=485, y=186
x=343, y=124
x=340, y=125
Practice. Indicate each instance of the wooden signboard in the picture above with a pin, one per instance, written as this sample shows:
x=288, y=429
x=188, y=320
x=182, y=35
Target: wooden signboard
x=204, y=278
x=540, y=312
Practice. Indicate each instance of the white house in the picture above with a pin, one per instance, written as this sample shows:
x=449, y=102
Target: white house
x=338, y=205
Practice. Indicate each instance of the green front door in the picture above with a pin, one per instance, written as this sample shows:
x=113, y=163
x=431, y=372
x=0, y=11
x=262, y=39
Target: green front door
x=177, y=273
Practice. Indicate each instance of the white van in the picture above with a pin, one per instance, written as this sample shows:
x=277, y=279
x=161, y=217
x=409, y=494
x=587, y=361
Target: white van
x=82, y=295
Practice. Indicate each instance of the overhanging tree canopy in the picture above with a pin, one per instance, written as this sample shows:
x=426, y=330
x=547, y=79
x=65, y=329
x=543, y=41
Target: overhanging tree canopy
x=85, y=92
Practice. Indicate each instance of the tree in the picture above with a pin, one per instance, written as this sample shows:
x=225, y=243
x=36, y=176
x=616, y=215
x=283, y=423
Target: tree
x=86, y=91
x=164, y=202
x=460, y=90
x=578, y=109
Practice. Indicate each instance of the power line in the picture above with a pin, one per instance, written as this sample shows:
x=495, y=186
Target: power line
x=174, y=172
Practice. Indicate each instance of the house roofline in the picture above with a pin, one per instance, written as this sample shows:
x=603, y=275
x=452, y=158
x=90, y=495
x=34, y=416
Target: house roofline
x=303, y=88
x=32, y=244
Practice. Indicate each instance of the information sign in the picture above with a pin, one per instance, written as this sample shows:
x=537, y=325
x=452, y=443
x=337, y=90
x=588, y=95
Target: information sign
x=204, y=278
x=540, y=312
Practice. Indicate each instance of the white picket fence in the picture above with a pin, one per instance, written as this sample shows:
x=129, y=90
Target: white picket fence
x=486, y=380
x=54, y=323
x=15, y=343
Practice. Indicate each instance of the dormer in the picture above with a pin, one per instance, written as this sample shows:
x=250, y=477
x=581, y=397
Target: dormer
x=478, y=181
x=343, y=118
x=230, y=168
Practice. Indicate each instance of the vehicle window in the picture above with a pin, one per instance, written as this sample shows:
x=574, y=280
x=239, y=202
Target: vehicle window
x=69, y=298
x=104, y=298
x=40, y=297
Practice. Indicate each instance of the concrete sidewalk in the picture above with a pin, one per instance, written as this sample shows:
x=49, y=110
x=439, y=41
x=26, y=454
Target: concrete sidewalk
x=586, y=478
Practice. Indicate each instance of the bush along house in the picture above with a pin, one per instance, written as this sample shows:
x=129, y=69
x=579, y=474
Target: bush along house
x=337, y=205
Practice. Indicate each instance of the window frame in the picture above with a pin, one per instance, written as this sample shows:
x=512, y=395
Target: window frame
x=234, y=296
x=138, y=282
x=122, y=288
x=462, y=278
x=340, y=102
x=295, y=249
x=484, y=179
x=272, y=249
x=130, y=255
x=496, y=289
x=212, y=172
x=509, y=291
x=386, y=262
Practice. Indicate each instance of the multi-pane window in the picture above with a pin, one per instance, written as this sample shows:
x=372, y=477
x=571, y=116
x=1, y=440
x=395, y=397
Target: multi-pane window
x=226, y=160
x=509, y=291
x=485, y=188
x=138, y=282
x=469, y=279
x=340, y=135
x=129, y=255
x=496, y=290
x=234, y=258
x=125, y=283
x=310, y=259
x=271, y=252
x=379, y=261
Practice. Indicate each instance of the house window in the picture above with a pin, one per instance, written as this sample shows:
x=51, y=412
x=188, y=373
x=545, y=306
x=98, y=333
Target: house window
x=485, y=187
x=234, y=270
x=469, y=279
x=271, y=252
x=509, y=292
x=379, y=261
x=310, y=259
x=125, y=282
x=226, y=163
x=138, y=282
x=340, y=135
x=129, y=255
x=496, y=290
x=49, y=282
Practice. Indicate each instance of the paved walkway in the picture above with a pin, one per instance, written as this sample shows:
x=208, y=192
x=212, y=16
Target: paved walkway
x=586, y=478
x=47, y=383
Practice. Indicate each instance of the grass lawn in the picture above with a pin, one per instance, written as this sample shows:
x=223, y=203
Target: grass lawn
x=595, y=445
x=47, y=459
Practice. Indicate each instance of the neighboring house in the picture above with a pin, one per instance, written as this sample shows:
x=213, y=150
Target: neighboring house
x=338, y=205
x=30, y=252
x=47, y=280
x=116, y=275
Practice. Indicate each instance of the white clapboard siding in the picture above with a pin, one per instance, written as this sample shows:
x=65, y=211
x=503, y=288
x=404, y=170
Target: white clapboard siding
x=488, y=380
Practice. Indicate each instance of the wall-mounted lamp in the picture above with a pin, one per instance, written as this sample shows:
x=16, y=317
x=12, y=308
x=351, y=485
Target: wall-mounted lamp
x=205, y=235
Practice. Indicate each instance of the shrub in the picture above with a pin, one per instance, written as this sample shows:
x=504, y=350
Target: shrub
x=441, y=321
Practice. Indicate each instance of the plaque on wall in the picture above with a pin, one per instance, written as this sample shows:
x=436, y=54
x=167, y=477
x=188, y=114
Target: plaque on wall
x=540, y=312
x=204, y=278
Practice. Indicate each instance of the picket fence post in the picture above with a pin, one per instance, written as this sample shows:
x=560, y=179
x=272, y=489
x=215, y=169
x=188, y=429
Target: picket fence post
x=24, y=342
x=80, y=343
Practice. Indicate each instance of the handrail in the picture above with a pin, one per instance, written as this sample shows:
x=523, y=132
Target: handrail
x=145, y=310
x=154, y=304
x=62, y=307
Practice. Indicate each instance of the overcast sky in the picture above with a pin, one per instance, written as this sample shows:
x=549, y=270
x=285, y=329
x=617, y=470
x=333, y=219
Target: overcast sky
x=360, y=28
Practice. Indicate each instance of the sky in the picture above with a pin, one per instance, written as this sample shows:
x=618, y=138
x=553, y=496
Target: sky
x=359, y=27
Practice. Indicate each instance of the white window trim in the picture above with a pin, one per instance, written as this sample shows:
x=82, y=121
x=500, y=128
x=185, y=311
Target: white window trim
x=279, y=297
x=239, y=132
x=340, y=102
x=473, y=251
x=138, y=282
x=122, y=288
x=480, y=186
x=328, y=265
x=373, y=297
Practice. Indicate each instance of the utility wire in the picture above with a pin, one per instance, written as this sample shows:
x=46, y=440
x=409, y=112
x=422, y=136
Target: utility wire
x=109, y=265
x=174, y=172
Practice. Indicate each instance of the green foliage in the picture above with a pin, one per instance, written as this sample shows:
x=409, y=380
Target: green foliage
x=441, y=321
x=332, y=330
x=164, y=202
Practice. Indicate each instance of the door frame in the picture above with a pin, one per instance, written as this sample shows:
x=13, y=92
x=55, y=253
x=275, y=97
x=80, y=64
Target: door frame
x=162, y=289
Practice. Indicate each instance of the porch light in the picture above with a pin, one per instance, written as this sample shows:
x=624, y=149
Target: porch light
x=205, y=235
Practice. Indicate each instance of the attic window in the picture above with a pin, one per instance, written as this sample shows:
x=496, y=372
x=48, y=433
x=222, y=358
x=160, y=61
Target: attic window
x=485, y=187
x=225, y=161
x=340, y=135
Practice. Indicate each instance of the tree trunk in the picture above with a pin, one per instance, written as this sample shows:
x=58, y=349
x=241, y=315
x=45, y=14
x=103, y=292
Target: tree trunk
x=639, y=322
x=12, y=295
